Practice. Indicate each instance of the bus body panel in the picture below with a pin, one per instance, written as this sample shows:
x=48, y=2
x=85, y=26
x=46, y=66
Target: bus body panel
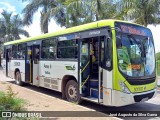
x=107, y=87
x=35, y=74
x=4, y=66
x=122, y=99
x=52, y=73
x=19, y=65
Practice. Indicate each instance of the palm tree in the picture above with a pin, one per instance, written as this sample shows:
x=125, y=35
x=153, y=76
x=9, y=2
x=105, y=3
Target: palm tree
x=143, y=12
x=84, y=11
x=11, y=27
x=46, y=6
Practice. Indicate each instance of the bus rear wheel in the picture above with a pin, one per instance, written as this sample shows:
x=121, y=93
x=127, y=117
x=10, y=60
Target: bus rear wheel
x=72, y=92
x=18, y=78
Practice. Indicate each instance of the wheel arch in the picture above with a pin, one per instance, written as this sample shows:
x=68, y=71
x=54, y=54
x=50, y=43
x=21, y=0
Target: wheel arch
x=16, y=70
x=65, y=79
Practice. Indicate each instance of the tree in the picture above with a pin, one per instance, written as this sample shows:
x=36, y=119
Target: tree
x=158, y=56
x=78, y=12
x=45, y=6
x=143, y=12
x=11, y=27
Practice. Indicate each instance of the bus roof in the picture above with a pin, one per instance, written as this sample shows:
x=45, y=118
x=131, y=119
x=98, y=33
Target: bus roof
x=93, y=25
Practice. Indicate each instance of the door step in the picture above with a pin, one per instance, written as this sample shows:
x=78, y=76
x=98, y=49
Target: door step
x=93, y=83
x=94, y=93
x=89, y=98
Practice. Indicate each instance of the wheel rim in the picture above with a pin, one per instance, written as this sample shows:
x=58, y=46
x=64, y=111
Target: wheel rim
x=72, y=92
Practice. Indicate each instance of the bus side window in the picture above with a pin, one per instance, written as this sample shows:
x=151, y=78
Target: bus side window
x=9, y=55
x=48, y=50
x=67, y=49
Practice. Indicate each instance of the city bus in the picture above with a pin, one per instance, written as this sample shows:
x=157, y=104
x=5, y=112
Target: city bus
x=109, y=62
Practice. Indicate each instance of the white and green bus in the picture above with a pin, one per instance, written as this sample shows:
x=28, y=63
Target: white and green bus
x=109, y=62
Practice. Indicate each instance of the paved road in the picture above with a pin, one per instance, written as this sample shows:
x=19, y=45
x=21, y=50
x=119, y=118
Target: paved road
x=151, y=105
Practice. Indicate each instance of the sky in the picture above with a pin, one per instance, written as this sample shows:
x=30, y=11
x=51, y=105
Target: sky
x=16, y=6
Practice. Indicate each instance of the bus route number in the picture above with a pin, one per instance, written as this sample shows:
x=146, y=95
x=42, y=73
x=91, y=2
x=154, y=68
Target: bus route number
x=16, y=63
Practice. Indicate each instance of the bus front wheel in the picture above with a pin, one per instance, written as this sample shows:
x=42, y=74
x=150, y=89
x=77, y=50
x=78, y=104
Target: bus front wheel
x=18, y=78
x=72, y=92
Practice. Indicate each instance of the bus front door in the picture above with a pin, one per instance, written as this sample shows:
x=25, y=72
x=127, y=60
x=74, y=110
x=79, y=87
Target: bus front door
x=90, y=75
x=32, y=64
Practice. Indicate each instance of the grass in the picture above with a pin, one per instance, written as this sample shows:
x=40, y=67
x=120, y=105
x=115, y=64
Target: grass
x=10, y=102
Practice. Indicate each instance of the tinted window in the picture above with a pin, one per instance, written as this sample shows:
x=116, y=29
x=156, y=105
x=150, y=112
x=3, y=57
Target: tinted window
x=21, y=51
x=14, y=51
x=18, y=51
x=67, y=49
x=48, y=49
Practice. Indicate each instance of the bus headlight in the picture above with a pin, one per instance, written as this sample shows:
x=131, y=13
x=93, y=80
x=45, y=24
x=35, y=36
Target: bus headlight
x=124, y=87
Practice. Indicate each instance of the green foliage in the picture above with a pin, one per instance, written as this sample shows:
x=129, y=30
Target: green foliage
x=33, y=6
x=79, y=11
x=143, y=12
x=158, y=56
x=10, y=102
x=158, y=67
x=11, y=27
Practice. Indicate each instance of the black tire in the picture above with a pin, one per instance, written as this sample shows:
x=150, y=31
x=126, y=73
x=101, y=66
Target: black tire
x=18, y=79
x=72, y=92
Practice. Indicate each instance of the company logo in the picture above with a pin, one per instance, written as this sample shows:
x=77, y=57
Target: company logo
x=69, y=67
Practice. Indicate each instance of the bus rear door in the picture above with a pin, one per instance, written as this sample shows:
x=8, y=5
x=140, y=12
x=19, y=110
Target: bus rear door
x=32, y=65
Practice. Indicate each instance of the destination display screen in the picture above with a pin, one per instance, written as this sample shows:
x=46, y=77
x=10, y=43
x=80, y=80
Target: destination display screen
x=133, y=29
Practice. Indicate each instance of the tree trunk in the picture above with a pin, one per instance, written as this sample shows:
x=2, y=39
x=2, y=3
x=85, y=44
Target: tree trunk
x=46, y=28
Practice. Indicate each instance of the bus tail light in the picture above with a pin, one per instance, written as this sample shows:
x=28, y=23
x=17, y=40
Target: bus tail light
x=37, y=78
x=124, y=87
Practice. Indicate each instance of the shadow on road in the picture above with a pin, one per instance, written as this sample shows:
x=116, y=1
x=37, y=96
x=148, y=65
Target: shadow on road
x=140, y=107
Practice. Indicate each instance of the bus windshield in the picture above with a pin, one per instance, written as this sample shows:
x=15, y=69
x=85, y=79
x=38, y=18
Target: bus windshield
x=136, y=55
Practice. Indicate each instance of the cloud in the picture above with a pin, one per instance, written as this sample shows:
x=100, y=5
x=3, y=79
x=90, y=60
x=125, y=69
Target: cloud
x=1, y=10
x=156, y=36
x=35, y=30
x=9, y=7
x=53, y=27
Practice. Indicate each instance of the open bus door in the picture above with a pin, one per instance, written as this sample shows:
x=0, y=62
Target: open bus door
x=90, y=69
x=95, y=65
x=32, y=64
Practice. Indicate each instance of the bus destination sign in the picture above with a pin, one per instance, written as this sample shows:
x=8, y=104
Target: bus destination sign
x=133, y=29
